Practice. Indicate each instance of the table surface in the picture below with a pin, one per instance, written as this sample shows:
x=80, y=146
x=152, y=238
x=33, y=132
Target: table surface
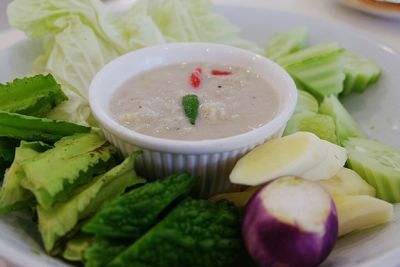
x=384, y=30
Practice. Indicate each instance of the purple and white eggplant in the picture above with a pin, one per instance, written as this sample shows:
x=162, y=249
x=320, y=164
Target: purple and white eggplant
x=290, y=222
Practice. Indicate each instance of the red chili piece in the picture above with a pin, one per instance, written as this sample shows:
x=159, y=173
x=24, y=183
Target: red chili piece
x=220, y=72
x=195, y=78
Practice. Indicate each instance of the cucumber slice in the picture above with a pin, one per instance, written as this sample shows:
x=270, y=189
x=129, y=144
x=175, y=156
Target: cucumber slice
x=346, y=127
x=321, y=125
x=308, y=53
x=286, y=43
x=321, y=76
x=360, y=72
x=378, y=164
x=306, y=102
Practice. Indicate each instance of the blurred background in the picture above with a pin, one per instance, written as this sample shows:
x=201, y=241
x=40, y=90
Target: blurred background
x=3, y=16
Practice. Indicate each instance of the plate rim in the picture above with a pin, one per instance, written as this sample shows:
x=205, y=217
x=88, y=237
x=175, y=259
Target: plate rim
x=26, y=260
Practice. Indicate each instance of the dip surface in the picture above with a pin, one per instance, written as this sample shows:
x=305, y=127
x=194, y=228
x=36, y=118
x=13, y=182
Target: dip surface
x=233, y=100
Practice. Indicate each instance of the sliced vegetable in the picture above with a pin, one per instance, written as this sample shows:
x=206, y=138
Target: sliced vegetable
x=34, y=96
x=130, y=215
x=378, y=164
x=76, y=247
x=195, y=233
x=306, y=102
x=290, y=222
x=12, y=195
x=321, y=76
x=332, y=164
x=346, y=127
x=103, y=251
x=191, y=106
x=321, y=125
x=347, y=182
x=74, y=161
x=24, y=127
x=360, y=72
x=361, y=212
x=7, y=151
x=285, y=43
x=56, y=222
x=291, y=155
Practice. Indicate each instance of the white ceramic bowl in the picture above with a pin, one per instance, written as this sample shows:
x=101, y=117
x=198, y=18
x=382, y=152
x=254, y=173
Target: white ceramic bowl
x=211, y=160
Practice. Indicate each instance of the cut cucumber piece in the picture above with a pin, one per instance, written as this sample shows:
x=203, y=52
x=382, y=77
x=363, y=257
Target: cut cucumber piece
x=334, y=161
x=378, y=164
x=321, y=125
x=306, y=102
x=347, y=182
x=308, y=53
x=361, y=212
x=360, y=72
x=346, y=127
x=321, y=76
x=290, y=155
x=286, y=43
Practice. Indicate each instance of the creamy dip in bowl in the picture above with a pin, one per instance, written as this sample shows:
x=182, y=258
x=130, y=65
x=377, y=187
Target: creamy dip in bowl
x=242, y=100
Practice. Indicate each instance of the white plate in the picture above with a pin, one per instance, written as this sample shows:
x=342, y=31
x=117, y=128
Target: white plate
x=377, y=111
x=377, y=10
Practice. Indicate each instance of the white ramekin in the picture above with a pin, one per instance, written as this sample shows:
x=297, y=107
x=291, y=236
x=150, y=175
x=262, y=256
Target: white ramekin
x=210, y=160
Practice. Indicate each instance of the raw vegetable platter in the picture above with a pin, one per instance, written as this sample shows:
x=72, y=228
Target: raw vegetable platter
x=376, y=111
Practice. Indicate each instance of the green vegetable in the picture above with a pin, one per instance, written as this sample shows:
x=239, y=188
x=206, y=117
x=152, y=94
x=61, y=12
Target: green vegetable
x=103, y=251
x=54, y=174
x=317, y=69
x=360, y=72
x=195, y=233
x=24, y=127
x=321, y=125
x=57, y=221
x=34, y=96
x=130, y=215
x=378, y=164
x=12, y=195
x=306, y=102
x=346, y=127
x=76, y=247
x=7, y=151
x=285, y=43
x=191, y=107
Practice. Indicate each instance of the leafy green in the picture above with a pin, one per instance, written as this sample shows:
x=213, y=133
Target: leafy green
x=30, y=128
x=360, y=73
x=346, y=127
x=34, y=96
x=130, y=215
x=285, y=43
x=195, y=233
x=321, y=125
x=57, y=221
x=378, y=164
x=74, y=160
x=12, y=195
x=191, y=105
